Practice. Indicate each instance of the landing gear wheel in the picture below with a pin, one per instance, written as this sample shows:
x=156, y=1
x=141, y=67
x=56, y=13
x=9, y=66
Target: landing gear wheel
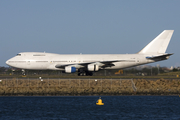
x=90, y=74
x=87, y=73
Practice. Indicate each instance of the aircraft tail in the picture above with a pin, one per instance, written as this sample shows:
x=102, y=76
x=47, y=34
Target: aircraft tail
x=159, y=44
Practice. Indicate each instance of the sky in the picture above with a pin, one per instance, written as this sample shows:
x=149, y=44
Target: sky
x=87, y=26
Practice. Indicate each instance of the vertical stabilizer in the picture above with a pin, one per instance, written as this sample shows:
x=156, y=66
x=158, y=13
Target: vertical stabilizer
x=159, y=44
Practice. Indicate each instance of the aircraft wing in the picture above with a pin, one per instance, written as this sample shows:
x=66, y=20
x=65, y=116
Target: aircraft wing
x=103, y=64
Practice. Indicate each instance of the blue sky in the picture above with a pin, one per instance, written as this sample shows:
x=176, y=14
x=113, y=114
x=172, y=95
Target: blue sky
x=87, y=26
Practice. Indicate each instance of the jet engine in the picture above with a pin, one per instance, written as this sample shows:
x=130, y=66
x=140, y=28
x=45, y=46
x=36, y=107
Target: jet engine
x=93, y=67
x=70, y=69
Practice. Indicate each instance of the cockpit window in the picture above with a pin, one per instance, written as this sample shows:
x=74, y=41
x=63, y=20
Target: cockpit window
x=18, y=54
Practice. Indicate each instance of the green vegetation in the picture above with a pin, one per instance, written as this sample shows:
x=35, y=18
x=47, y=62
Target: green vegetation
x=172, y=73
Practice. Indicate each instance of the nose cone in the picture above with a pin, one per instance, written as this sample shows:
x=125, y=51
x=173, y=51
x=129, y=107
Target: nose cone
x=7, y=62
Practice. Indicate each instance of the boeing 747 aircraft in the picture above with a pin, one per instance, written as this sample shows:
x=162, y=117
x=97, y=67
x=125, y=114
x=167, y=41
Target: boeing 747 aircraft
x=86, y=64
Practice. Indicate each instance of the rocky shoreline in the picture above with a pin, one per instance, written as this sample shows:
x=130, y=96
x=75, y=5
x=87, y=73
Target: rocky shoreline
x=78, y=87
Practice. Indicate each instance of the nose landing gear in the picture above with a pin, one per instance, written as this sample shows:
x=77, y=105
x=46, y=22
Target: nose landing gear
x=23, y=72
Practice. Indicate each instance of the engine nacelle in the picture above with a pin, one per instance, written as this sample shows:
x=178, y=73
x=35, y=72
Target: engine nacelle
x=92, y=67
x=70, y=69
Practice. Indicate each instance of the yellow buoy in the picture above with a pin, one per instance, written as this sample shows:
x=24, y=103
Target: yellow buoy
x=99, y=102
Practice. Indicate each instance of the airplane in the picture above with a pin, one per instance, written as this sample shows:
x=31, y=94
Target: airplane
x=86, y=64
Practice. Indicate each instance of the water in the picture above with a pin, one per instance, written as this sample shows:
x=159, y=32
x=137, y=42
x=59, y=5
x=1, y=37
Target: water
x=84, y=107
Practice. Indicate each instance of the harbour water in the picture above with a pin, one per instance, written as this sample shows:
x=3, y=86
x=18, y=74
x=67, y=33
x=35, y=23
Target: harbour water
x=84, y=107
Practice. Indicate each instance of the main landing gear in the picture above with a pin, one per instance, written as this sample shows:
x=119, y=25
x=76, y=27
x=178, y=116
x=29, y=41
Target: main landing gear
x=85, y=73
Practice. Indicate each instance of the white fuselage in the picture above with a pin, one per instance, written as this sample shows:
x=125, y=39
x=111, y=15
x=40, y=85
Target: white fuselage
x=48, y=61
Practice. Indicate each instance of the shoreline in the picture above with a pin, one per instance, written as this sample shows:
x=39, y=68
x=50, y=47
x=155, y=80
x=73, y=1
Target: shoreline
x=177, y=95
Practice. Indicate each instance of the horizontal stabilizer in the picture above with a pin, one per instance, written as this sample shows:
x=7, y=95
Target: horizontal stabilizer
x=165, y=56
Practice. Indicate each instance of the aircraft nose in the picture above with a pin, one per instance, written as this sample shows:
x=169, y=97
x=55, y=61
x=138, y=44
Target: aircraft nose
x=7, y=62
